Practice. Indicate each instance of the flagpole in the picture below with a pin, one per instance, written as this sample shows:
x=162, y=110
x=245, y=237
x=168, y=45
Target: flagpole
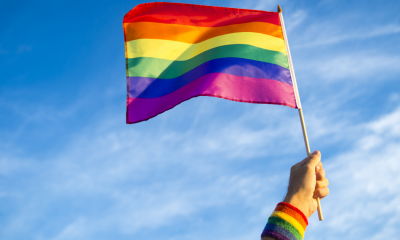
x=298, y=103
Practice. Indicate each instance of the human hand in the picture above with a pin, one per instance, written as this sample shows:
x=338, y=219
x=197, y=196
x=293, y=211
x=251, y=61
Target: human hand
x=306, y=183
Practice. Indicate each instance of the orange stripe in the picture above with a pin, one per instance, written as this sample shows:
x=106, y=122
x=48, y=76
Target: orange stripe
x=292, y=213
x=294, y=209
x=194, y=34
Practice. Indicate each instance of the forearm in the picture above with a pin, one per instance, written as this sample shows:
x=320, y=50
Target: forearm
x=307, y=181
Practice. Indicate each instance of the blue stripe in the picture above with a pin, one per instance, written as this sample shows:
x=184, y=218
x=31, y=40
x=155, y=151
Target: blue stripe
x=143, y=87
x=276, y=228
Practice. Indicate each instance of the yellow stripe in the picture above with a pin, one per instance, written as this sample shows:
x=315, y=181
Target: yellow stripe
x=290, y=220
x=173, y=50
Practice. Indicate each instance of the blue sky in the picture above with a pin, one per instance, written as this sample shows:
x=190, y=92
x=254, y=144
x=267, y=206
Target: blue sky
x=70, y=168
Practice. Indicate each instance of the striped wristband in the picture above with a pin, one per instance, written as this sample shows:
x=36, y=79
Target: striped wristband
x=286, y=223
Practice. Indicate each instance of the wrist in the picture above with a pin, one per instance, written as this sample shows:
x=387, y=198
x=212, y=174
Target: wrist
x=295, y=201
x=286, y=222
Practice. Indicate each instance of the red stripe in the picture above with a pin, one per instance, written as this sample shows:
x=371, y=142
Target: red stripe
x=197, y=15
x=282, y=206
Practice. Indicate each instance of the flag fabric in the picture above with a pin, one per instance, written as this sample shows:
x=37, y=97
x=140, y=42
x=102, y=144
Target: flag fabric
x=175, y=52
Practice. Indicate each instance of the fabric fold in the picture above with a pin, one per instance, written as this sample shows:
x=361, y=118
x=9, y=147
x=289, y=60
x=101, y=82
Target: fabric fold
x=175, y=52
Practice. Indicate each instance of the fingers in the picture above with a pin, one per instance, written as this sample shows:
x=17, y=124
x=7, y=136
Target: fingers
x=321, y=192
x=321, y=184
x=318, y=167
x=320, y=175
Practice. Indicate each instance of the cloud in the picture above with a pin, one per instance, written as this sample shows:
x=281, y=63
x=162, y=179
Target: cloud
x=209, y=168
x=295, y=19
x=113, y=178
x=364, y=184
x=355, y=66
x=117, y=177
x=134, y=176
x=76, y=229
x=329, y=33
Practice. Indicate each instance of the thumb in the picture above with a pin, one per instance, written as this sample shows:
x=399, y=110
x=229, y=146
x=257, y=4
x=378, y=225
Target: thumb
x=314, y=159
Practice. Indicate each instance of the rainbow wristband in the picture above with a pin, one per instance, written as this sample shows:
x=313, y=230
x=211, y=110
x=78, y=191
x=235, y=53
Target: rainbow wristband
x=286, y=223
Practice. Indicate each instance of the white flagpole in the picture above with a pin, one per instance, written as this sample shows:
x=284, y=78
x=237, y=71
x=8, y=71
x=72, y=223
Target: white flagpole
x=298, y=103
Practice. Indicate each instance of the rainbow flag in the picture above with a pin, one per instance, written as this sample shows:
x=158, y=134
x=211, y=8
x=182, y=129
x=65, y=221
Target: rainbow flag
x=175, y=52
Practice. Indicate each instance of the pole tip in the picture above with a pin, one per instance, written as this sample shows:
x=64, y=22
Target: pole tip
x=279, y=9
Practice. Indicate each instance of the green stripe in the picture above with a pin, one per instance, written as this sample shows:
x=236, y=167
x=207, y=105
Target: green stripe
x=281, y=222
x=167, y=69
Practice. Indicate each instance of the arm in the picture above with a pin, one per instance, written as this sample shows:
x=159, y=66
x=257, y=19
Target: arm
x=306, y=183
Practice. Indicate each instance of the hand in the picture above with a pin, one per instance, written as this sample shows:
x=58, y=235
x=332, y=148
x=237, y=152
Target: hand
x=306, y=183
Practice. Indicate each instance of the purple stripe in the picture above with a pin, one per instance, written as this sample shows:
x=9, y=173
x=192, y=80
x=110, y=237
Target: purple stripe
x=222, y=85
x=144, y=87
x=271, y=227
x=276, y=235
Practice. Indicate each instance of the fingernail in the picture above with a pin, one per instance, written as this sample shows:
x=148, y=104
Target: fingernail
x=316, y=152
x=318, y=168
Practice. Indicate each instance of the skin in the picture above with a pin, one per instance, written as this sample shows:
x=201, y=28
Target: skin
x=306, y=183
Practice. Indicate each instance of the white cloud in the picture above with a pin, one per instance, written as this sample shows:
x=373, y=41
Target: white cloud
x=73, y=230
x=354, y=66
x=364, y=185
x=114, y=176
x=220, y=176
x=125, y=180
x=329, y=33
x=295, y=19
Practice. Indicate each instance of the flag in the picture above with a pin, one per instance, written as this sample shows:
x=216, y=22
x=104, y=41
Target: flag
x=175, y=52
